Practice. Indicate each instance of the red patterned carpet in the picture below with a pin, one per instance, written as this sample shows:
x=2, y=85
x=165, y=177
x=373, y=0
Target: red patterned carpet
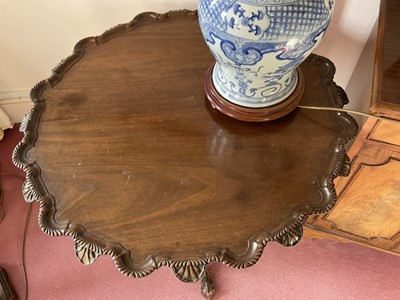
x=314, y=269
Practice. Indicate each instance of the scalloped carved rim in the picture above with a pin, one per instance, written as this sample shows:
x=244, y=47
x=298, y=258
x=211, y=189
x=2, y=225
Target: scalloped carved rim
x=359, y=168
x=289, y=234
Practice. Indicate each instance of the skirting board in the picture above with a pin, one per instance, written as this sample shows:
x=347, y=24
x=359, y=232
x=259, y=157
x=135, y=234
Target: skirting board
x=15, y=104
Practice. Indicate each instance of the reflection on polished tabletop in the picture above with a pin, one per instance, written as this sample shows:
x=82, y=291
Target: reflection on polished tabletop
x=127, y=156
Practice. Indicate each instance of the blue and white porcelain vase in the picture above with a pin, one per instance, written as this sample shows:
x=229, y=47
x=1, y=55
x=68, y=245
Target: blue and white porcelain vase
x=258, y=44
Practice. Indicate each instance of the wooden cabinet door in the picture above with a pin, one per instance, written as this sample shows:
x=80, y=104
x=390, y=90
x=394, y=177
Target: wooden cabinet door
x=386, y=95
x=368, y=206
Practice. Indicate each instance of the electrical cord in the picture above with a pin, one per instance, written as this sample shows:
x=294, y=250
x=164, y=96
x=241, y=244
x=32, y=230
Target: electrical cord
x=348, y=111
x=23, y=242
x=28, y=215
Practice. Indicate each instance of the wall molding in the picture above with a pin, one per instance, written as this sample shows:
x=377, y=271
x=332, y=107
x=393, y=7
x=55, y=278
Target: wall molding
x=15, y=104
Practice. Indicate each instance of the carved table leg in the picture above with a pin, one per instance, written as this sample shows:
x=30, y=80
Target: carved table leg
x=207, y=286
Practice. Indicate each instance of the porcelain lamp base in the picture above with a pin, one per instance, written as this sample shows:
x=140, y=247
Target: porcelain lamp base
x=248, y=114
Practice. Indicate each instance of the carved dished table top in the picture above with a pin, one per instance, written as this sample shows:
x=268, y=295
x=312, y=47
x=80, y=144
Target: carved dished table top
x=125, y=154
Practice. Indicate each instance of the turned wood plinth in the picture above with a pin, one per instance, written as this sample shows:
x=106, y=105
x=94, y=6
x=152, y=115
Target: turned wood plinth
x=247, y=114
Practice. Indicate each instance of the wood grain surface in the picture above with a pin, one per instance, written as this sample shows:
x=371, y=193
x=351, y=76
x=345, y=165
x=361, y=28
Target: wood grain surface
x=386, y=95
x=368, y=208
x=391, y=54
x=387, y=132
x=376, y=208
x=124, y=151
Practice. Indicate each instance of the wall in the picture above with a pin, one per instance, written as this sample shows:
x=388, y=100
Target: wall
x=359, y=86
x=36, y=35
x=350, y=29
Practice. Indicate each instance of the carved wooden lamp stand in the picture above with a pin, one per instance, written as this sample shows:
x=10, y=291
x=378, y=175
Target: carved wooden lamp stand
x=248, y=114
x=180, y=184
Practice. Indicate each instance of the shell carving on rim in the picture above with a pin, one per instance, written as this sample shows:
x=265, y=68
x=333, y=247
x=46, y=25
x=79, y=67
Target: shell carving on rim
x=89, y=247
x=189, y=271
x=30, y=190
x=87, y=253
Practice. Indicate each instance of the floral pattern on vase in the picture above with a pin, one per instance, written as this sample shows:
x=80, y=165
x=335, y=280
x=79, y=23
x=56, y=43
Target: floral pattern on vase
x=258, y=44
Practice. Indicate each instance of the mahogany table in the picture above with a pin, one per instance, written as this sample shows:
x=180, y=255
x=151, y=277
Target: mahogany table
x=126, y=155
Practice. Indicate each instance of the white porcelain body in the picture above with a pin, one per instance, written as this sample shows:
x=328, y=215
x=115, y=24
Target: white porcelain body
x=259, y=43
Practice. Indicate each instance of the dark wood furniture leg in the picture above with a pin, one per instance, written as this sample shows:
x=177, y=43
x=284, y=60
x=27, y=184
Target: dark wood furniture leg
x=207, y=285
